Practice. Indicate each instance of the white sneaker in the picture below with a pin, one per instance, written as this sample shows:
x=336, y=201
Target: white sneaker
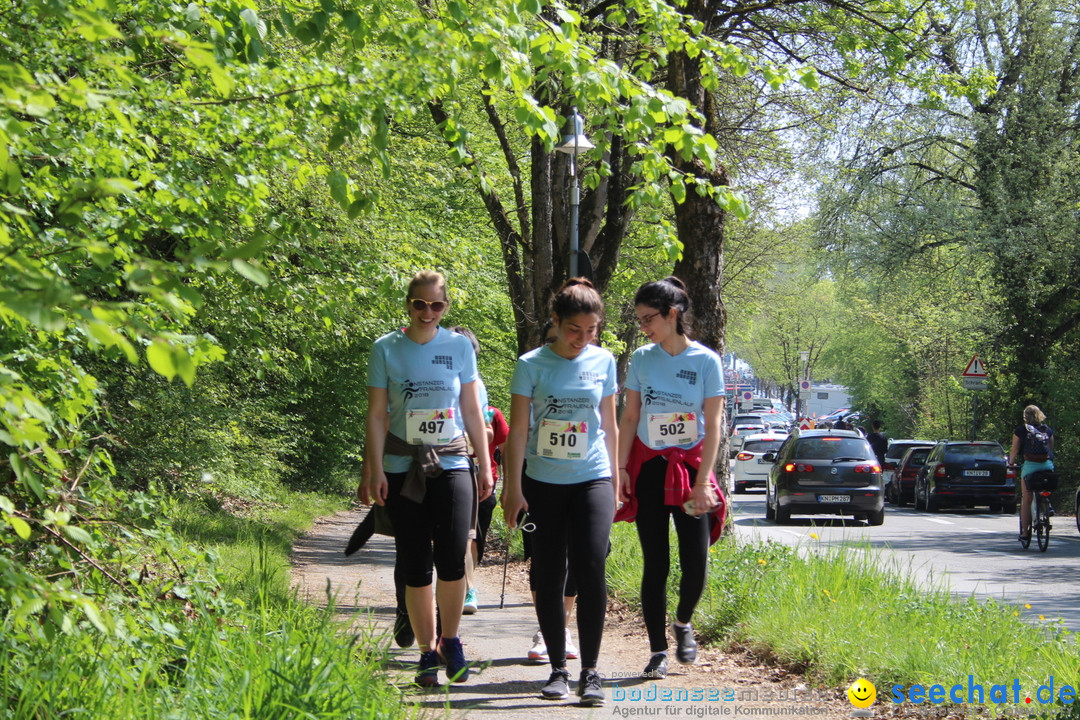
x=571, y=648
x=538, y=652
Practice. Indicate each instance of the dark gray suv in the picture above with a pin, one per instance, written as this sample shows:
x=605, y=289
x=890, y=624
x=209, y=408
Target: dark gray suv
x=824, y=472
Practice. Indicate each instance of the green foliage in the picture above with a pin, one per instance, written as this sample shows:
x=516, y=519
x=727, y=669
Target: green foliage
x=796, y=311
x=234, y=196
x=196, y=645
x=953, y=214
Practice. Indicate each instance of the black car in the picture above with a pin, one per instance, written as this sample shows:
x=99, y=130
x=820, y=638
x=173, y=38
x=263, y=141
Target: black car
x=900, y=488
x=960, y=473
x=830, y=472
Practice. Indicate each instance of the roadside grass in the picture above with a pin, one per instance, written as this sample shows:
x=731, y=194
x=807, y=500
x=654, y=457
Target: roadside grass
x=236, y=643
x=834, y=614
x=248, y=535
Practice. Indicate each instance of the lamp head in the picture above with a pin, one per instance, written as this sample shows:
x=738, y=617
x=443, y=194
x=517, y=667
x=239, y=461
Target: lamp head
x=575, y=141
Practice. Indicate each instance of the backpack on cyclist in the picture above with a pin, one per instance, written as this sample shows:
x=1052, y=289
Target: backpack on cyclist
x=1036, y=443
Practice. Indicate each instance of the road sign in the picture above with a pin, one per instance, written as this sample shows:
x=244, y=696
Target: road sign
x=805, y=424
x=974, y=383
x=975, y=368
x=748, y=395
x=804, y=385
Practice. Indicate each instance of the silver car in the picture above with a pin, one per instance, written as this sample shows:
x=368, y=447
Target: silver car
x=749, y=469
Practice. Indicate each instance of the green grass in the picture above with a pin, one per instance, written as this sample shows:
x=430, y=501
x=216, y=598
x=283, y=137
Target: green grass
x=835, y=616
x=246, y=535
x=230, y=644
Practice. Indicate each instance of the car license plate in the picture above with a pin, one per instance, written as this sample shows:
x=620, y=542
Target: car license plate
x=976, y=473
x=834, y=498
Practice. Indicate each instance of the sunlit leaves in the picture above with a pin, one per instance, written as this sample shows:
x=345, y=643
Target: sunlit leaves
x=252, y=272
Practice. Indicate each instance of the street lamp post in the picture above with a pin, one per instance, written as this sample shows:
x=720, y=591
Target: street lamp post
x=804, y=357
x=574, y=143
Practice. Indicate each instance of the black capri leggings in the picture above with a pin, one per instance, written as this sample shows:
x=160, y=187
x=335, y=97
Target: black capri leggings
x=652, y=528
x=435, y=532
x=578, y=516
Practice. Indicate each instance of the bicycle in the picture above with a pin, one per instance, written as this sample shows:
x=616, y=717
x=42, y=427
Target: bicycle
x=1041, y=484
x=1077, y=505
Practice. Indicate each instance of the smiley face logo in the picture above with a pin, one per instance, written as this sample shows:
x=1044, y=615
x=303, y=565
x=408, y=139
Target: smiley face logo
x=862, y=693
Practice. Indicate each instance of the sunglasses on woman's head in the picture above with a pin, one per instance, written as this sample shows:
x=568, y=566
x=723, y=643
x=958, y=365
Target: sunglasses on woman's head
x=435, y=305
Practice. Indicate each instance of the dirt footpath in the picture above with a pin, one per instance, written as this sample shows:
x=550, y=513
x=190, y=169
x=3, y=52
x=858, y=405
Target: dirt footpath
x=497, y=640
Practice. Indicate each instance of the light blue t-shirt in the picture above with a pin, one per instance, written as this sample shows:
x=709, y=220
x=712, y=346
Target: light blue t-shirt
x=481, y=390
x=424, y=377
x=672, y=387
x=566, y=443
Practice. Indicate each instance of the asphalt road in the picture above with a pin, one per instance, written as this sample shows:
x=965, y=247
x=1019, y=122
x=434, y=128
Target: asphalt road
x=972, y=551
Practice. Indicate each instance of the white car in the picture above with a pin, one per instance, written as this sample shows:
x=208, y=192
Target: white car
x=741, y=430
x=750, y=470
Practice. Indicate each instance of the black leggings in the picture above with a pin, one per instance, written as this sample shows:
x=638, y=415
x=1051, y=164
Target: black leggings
x=583, y=512
x=652, y=528
x=534, y=580
x=435, y=532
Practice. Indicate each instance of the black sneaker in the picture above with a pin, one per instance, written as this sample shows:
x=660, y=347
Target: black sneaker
x=428, y=670
x=403, y=632
x=457, y=670
x=590, y=688
x=558, y=685
x=686, y=652
x=657, y=667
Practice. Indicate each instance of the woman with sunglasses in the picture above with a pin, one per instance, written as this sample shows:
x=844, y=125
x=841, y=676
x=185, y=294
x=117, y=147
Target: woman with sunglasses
x=563, y=427
x=422, y=400
x=668, y=440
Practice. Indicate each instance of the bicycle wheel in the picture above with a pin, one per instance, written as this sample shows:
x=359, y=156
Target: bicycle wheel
x=1025, y=540
x=1077, y=505
x=1042, y=523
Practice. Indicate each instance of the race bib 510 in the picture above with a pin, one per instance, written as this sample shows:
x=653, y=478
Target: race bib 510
x=563, y=439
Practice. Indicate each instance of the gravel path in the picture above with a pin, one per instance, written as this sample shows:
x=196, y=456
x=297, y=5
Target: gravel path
x=507, y=686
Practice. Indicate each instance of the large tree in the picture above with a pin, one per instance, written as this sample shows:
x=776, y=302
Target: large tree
x=977, y=151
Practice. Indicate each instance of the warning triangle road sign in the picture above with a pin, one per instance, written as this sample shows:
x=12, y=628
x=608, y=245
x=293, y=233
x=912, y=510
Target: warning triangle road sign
x=975, y=368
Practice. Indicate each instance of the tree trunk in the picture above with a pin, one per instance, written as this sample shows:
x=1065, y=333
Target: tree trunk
x=699, y=222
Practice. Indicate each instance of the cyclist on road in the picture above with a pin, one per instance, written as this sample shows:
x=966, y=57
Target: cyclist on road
x=1034, y=441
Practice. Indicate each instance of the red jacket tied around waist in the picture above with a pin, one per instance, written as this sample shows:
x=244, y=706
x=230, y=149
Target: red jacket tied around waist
x=677, y=482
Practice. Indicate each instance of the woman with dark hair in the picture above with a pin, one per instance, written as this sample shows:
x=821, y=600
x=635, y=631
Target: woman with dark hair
x=668, y=440
x=538, y=653
x=563, y=438
x=422, y=400
x=1033, y=440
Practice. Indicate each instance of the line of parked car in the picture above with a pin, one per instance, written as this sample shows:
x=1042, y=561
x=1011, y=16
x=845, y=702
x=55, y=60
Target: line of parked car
x=949, y=473
x=835, y=472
